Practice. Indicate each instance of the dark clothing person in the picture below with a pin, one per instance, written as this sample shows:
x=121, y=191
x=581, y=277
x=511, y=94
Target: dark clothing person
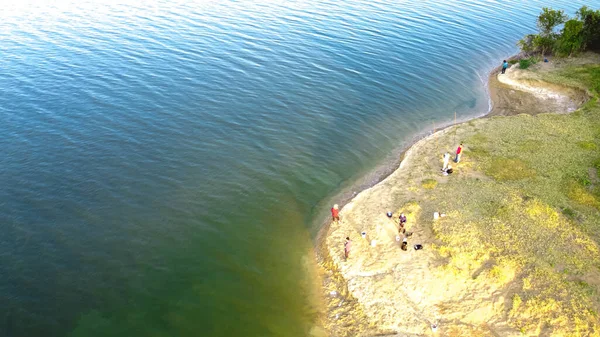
x=347, y=246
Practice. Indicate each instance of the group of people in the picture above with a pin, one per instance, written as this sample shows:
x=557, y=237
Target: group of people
x=446, y=168
x=335, y=215
x=402, y=230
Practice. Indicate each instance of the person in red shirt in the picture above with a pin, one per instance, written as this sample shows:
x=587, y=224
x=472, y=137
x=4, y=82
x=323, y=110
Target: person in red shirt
x=335, y=212
x=458, y=153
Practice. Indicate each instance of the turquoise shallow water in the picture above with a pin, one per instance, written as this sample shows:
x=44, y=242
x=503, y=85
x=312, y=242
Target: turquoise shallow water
x=165, y=167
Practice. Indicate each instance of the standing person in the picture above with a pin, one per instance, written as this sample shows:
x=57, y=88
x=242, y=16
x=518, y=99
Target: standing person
x=402, y=219
x=404, y=244
x=347, y=246
x=446, y=160
x=335, y=212
x=458, y=153
x=504, y=66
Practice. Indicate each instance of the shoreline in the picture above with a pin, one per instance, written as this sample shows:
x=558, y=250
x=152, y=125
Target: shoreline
x=381, y=173
x=332, y=276
x=500, y=96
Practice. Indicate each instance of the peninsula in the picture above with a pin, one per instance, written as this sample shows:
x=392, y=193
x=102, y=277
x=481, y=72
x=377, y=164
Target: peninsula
x=510, y=239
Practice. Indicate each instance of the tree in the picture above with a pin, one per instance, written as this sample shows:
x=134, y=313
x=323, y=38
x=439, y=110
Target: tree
x=571, y=40
x=526, y=44
x=583, y=12
x=544, y=43
x=577, y=34
x=549, y=19
x=591, y=27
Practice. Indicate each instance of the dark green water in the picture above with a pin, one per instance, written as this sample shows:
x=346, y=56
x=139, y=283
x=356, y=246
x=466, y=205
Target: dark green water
x=165, y=167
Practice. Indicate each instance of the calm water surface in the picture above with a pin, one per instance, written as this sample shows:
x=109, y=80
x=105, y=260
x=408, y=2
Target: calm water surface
x=162, y=167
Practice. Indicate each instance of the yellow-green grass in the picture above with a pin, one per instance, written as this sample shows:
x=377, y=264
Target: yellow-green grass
x=429, y=183
x=585, y=77
x=524, y=212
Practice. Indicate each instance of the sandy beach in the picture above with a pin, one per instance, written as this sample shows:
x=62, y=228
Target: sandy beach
x=382, y=290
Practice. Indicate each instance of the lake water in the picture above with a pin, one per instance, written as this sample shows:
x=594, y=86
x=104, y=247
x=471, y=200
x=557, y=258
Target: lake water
x=165, y=167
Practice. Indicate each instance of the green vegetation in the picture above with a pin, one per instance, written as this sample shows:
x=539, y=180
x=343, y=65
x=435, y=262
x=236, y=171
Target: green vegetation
x=597, y=164
x=587, y=145
x=577, y=34
x=429, y=183
x=524, y=63
x=507, y=169
x=523, y=212
x=586, y=78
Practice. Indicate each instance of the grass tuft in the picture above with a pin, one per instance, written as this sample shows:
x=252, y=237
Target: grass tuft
x=429, y=183
x=526, y=63
x=569, y=213
x=596, y=164
x=582, y=196
x=587, y=145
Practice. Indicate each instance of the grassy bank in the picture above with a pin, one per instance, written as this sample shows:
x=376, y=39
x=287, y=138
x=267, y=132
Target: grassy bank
x=518, y=250
x=524, y=212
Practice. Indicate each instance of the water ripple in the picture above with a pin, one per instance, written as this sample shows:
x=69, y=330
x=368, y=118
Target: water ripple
x=163, y=162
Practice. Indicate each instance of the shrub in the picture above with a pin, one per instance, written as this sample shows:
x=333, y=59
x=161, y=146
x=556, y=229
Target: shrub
x=571, y=40
x=578, y=34
x=524, y=63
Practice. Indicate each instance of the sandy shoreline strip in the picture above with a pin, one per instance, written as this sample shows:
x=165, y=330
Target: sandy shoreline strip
x=351, y=304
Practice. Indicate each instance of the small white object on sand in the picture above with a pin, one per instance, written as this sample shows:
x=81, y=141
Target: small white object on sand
x=373, y=243
x=436, y=215
x=364, y=235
